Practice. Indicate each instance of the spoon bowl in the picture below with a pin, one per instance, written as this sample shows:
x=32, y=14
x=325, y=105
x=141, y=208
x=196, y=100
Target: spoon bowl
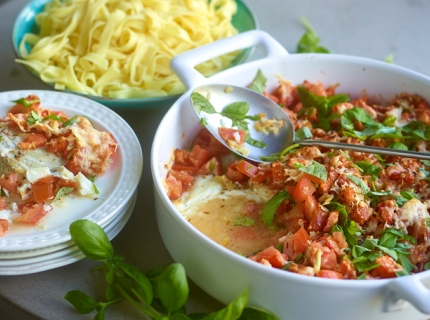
x=228, y=106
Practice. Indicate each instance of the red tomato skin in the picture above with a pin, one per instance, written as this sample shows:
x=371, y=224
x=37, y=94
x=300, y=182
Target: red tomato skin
x=233, y=174
x=272, y=255
x=32, y=214
x=33, y=141
x=278, y=173
x=230, y=134
x=247, y=168
x=296, y=244
x=198, y=156
x=11, y=181
x=303, y=189
x=174, y=187
x=330, y=274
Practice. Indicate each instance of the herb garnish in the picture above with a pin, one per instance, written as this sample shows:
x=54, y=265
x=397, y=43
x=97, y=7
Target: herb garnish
x=259, y=82
x=26, y=103
x=236, y=112
x=272, y=205
x=315, y=169
x=71, y=121
x=160, y=293
x=309, y=42
x=62, y=192
x=33, y=118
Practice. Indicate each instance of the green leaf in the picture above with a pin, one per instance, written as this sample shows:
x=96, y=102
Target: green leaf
x=91, y=239
x=309, y=42
x=303, y=133
x=363, y=186
x=54, y=117
x=315, y=169
x=401, y=235
x=26, y=103
x=243, y=221
x=71, y=121
x=236, y=110
x=141, y=283
x=251, y=313
x=370, y=169
x=62, y=192
x=272, y=205
x=406, y=264
x=233, y=310
x=388, y=240
x=254, y=143
x=200, y=103
x=398, y=146
x=259, y=82
x=82, y=302
x=173, y=287
x=363, y=264
x=389, y=121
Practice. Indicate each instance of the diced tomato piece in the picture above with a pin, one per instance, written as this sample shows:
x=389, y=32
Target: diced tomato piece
x=296, y=244
x=293, y=217
x=174, y=187
x=213, y=166
x=233, y=174
x=198, y=156
x=20, y=108
x=185, y=168
x=319, y=219
x=4, y=227
x=387, y=267
x=32, y=214
x=232, y=134
x=2, y=203
x=247, y=168
x=278, y=172
x=208, y=142
x=184, y=177
x=272, y=255
x=303, y=189
x=329, y=274
x=329, y=260
x=182, y=157
x=11, y=181
x=262, y=175
x=311, y=207
x=58, y=146
x=43, y=189
x=33, y=141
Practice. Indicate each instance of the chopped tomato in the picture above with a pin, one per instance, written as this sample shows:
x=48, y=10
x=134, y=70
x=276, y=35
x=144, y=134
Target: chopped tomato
x=272, y=255
x=262, y=175
x=233, y=174
x=387, y=267
x=184, y=177
x=174, y=187
x=33, y=141
x=278, y=173
x=20, y=108
x=296, y=244
x=11, y=182
x=43, y=189
x=213, y=166
x=32, y=214
x=180, y=167
x=232, y=134
x=311, y=207
x=182, y=157
x=294, y=216
x=208, y=142
x=329, y=274
x=303, y=189
x=319, y=219
x=59, y=146
x=198, y=156
x=4, y=227
x=247, y=168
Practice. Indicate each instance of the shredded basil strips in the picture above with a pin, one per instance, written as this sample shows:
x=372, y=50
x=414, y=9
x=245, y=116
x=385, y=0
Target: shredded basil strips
x=236, y=112
x=314, y=168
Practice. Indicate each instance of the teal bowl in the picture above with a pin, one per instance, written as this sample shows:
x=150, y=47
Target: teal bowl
x=243, y=20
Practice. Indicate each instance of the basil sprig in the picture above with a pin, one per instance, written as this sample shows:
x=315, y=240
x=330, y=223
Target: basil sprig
x=160, y=293
x=237, y=112
x=309, y=42
x=259, y=82
x=272, y=205
x=26, y=103
x=315, y=169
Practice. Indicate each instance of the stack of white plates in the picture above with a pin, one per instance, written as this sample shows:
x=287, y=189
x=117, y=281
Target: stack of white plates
x=48, y=245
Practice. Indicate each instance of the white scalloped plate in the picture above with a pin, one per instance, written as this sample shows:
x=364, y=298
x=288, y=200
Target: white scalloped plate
x=116, y=186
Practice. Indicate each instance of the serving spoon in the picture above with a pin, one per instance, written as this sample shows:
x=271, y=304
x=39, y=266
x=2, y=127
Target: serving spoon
x=220, y=105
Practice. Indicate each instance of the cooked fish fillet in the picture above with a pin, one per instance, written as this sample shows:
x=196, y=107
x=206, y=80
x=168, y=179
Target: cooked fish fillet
x=12, y=158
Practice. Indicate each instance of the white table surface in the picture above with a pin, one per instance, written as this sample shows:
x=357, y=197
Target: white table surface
x=368, y=28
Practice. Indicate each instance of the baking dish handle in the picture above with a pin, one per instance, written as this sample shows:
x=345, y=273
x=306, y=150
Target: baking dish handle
x=183, y=64
x=408, y=288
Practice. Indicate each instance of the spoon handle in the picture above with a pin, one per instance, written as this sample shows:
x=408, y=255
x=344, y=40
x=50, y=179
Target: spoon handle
x=366, y=149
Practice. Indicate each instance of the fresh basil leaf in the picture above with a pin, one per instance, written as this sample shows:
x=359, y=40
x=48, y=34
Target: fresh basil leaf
x=390, y=252
x=141, y=283
x=91, y=239
x=389, y=121
x=388, y=240
x=426, y=162
x=272, y=205
x=252, y=313
x=259, y=82
x=71, y=121
x=34, y=118
x=62, y=192
x=233, y=310
x=363, y=186
x=309, y=42
x=200, y=103
x=398, y=146
x=236, y=110
x=173, y=287
x=82, y=302
x=303, y=133
x=254, y=143
x=53, y=117
x=401, y=235
x=358, y=251
x=367, y=168
x=26, y=103
x=315, y=169
x=111, y=293
x=243, y=222
x=363, y=264
x=370, y=243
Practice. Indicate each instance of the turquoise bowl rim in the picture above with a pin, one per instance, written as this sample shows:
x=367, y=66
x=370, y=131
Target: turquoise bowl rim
x=24, y=23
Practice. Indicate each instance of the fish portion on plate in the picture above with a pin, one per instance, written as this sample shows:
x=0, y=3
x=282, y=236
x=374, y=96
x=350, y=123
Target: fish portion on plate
x=46, y=155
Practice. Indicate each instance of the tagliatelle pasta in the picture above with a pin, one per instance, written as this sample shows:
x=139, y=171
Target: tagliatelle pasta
x=122, y=49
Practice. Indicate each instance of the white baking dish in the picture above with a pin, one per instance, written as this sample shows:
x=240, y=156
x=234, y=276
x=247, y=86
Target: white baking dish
x=224, y=274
